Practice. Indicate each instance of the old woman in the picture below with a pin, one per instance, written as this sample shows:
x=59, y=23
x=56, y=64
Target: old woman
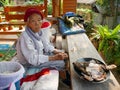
x=34, y=50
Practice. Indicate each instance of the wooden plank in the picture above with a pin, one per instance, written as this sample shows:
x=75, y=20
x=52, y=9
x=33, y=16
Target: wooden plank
x=12, y=23
x=10, y=33
x=69, y=9
x=17, y=12
x=22, y=8
x=79, y=46
x=14, y=17
x=70, y=1
x=69, y=5
x=7, y=39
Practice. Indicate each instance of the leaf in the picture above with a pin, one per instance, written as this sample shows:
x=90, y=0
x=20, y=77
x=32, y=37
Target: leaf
x=116, y=29
x=101, y=31
x=100, y=2
x=101, y=44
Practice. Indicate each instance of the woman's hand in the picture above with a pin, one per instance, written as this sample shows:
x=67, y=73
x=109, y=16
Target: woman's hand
x=58, y=56
x=56, y=51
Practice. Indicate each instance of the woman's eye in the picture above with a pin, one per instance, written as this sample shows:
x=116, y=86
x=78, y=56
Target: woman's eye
x=32, y=20
x=39, y=20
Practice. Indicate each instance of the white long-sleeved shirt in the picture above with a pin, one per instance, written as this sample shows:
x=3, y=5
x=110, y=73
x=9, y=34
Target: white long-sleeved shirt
x=26, y=52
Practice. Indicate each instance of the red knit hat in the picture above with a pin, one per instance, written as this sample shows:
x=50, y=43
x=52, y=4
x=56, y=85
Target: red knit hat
x=31, y=11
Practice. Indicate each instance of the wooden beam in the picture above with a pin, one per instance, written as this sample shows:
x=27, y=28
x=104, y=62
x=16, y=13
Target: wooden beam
x=10, y=33
x=7, y=39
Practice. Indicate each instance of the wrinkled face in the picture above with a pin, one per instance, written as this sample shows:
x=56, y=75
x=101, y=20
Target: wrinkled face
x=34, y=22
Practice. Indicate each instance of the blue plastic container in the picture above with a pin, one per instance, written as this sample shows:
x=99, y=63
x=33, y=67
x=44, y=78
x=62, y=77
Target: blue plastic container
x=4, y=46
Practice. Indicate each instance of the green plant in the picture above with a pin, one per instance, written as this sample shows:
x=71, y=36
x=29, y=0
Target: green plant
x=34, y=2
x=89, y=27
x=108, y=35
x=49, y=8
x=85, y=12
x=109, y=43
x=7, y=54
x=6, y=2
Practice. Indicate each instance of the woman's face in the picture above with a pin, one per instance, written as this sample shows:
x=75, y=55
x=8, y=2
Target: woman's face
x=34, y=22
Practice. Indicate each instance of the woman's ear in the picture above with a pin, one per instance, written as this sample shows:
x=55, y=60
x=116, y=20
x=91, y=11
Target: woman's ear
x=27, y=23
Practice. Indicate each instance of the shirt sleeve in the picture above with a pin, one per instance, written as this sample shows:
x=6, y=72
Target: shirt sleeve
x=30, y=53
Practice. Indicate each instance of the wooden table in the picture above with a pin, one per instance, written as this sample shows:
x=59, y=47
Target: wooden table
x=80, y=46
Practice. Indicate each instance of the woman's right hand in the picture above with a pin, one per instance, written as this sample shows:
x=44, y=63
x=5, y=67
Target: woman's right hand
x=59, y=56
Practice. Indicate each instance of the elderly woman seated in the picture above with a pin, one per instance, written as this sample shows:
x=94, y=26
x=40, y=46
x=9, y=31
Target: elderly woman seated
x=40, y=59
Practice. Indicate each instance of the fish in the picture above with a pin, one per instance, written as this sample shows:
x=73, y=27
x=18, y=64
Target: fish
x=92, y=70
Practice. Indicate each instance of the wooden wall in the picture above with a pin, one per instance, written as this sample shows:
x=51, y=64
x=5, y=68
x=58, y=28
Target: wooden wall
x=60, y=7
x=69, y=6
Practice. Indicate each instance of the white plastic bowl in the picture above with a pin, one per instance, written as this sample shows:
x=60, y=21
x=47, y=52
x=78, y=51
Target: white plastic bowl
x=10, y=72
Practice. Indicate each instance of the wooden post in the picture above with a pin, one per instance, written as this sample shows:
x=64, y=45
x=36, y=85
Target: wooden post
x=56, y=8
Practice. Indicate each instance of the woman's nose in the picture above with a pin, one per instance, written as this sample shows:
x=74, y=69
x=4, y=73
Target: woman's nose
x=37, y=22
